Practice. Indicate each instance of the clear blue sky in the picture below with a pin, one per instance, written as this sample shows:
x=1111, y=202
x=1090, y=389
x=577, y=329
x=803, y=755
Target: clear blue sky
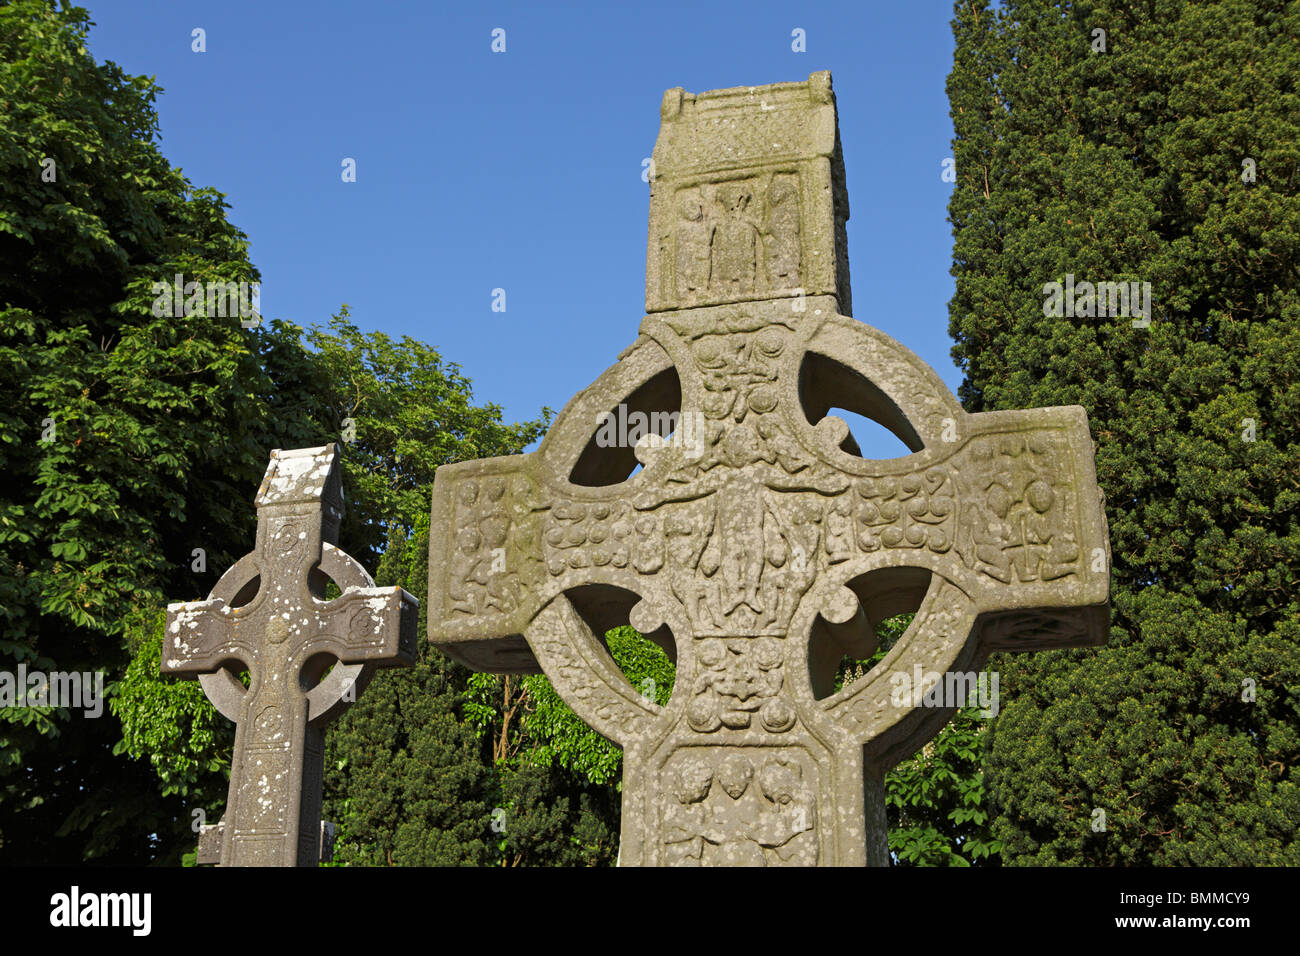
x=522, y=170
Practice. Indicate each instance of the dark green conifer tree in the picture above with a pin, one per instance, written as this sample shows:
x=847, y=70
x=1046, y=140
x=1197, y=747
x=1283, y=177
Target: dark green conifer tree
x=1153, y=143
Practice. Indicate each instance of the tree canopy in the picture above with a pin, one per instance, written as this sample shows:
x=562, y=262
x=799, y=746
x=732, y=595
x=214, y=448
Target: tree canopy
x=127, y=440
x=133, y=442
x=1159, y=143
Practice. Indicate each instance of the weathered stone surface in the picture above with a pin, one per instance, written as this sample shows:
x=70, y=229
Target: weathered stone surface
x=212, y=836
x=748, y=200
x=756, y=546
x=268, y=615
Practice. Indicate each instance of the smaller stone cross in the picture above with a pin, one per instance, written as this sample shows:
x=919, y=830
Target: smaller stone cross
x=268, y=615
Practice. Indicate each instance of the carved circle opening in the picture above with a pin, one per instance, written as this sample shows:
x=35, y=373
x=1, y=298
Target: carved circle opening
x=610, y=456
x=840, y=653
x=647, y=660
x=827, y=386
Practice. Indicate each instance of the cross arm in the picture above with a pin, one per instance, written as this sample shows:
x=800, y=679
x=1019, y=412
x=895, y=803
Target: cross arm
x=1033, y=529
x=369, y=624
x=483, y=583
x=200, y=635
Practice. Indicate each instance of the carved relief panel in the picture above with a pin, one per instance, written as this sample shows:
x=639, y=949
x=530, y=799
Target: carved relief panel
x=733, y=239
x=739, y=806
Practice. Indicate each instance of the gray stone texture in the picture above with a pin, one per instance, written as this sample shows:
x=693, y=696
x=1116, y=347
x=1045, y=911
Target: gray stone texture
x=756, y=546
x=268, y=615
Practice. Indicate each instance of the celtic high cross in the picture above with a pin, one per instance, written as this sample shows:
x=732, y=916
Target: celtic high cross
x=755, y=545
x=269, y=615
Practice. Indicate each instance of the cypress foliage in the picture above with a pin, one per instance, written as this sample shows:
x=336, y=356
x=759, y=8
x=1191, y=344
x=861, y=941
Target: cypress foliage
x=1166, y=151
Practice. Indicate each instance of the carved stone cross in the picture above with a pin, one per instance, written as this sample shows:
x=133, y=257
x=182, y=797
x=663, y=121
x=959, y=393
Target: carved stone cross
x=755, y=545
x=268, y=615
